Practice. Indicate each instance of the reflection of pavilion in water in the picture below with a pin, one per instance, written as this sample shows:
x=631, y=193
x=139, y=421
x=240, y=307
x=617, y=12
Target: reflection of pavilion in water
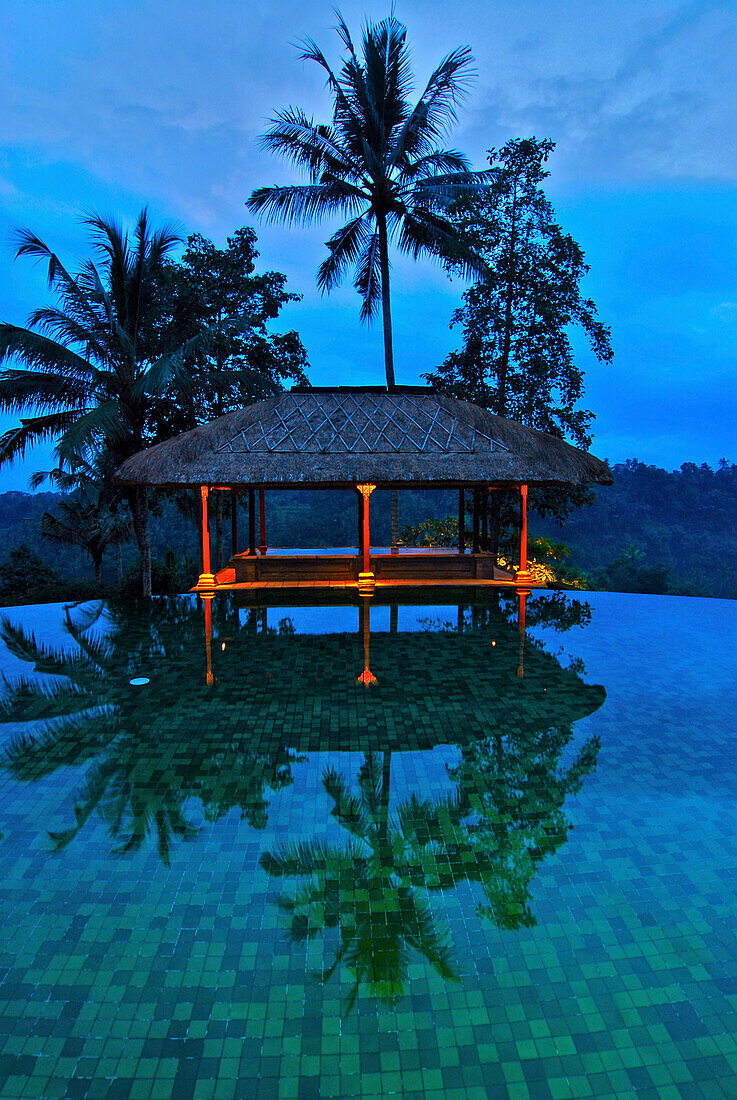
x=230, y=739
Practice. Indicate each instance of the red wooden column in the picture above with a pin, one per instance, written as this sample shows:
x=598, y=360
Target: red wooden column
x=461, y=522
x=523, y=574
x=207, y=580
x=366, y=579
x=262, y=520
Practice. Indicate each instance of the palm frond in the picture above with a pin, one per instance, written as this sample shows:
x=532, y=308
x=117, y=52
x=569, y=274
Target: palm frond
x=173, y=366
x=346, y=807
x=425, y=232
x=15, y=441
x=308, y=858
x=368, y=277
x=305, y=202
x=42, y=353
x=25, y=700
x=67, y=329
x=66, y=741
x=436, y=110
x=105, y=422
x=344, y=247
x=371, y=784
x=309, y=145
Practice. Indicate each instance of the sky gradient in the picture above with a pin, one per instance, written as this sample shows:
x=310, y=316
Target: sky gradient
x=117, y=105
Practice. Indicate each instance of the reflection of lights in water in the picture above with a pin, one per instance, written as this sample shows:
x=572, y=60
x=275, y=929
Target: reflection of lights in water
x=222, y=646
x=139, y=681
x=493, y=643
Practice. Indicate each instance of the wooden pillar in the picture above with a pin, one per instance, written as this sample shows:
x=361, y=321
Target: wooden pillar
x=233, y=522
x=207, y=580
x=262, y=520
x=360, y=526
x=475, y=533
x=366, y=579
x=523, y=574
x=251, y=520
x=484, y=520
x=461, y=522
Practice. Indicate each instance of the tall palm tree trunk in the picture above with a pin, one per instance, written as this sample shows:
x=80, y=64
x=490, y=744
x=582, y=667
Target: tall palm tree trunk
x=388, y=354
x=385, y=302
x=139, y=507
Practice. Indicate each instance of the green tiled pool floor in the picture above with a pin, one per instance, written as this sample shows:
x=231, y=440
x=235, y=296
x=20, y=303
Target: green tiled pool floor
x=455, y=884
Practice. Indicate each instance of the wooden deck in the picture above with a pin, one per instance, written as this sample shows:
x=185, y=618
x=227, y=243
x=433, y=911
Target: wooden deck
x=339, y=572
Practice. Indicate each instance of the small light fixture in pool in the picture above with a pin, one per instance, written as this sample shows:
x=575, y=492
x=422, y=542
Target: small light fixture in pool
x=222, y=647
x=493, y=643
x=139, y=681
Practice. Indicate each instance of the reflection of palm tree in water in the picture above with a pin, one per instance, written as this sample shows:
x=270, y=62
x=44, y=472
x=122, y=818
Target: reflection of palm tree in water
x=506, y=817
x=367, y=889
x=148, y=755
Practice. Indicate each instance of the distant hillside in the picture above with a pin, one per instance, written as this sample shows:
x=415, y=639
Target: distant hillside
x=684, y=522
x=651, y=531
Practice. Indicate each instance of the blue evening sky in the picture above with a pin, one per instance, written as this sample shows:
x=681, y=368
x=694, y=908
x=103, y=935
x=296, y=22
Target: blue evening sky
x=111, y=106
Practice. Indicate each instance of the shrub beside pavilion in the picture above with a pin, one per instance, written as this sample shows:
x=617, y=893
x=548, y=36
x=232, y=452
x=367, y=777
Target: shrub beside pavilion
x=363, y=438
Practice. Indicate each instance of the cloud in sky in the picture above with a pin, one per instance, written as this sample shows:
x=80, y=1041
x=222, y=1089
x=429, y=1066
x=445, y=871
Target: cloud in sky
x=119, y=104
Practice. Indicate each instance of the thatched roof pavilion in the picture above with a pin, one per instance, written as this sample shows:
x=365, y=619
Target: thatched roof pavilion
x=317, y=438
x=363, y=438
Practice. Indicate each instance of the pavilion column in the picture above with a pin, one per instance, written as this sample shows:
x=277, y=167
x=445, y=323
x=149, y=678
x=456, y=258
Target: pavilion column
x=475, y=534
x=461, y=522
x=251, y=521
x=360, y=526
x=233, y=522
x=206, y=580
x=523, y=574
x=366, y=579
x=262, y=520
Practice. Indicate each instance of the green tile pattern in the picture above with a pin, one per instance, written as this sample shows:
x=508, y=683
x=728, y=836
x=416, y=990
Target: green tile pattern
x=544, y=908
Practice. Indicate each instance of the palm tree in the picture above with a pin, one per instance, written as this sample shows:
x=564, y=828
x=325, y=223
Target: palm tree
x=91, y=368
x=378, y=163
x=89, y=516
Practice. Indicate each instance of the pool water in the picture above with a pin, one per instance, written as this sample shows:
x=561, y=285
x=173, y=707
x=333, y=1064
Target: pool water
x=428, y=851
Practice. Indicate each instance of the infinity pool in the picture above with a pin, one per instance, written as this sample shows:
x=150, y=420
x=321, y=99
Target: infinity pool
x=447, y=852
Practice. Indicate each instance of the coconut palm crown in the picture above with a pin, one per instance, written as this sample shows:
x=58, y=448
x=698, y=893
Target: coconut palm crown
x=89, y=371
x=376, y=162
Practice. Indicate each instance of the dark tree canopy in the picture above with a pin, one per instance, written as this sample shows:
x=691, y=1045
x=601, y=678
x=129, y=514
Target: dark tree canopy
x=517, y=357
x=216, y=289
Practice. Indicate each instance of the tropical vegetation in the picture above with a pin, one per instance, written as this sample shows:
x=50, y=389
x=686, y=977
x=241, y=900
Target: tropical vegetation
x=126, y=354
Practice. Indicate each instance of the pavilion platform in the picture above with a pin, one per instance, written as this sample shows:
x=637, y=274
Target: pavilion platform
x=403, y=569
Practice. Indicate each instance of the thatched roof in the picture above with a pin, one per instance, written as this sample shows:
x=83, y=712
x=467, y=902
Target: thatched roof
x=337, y=437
